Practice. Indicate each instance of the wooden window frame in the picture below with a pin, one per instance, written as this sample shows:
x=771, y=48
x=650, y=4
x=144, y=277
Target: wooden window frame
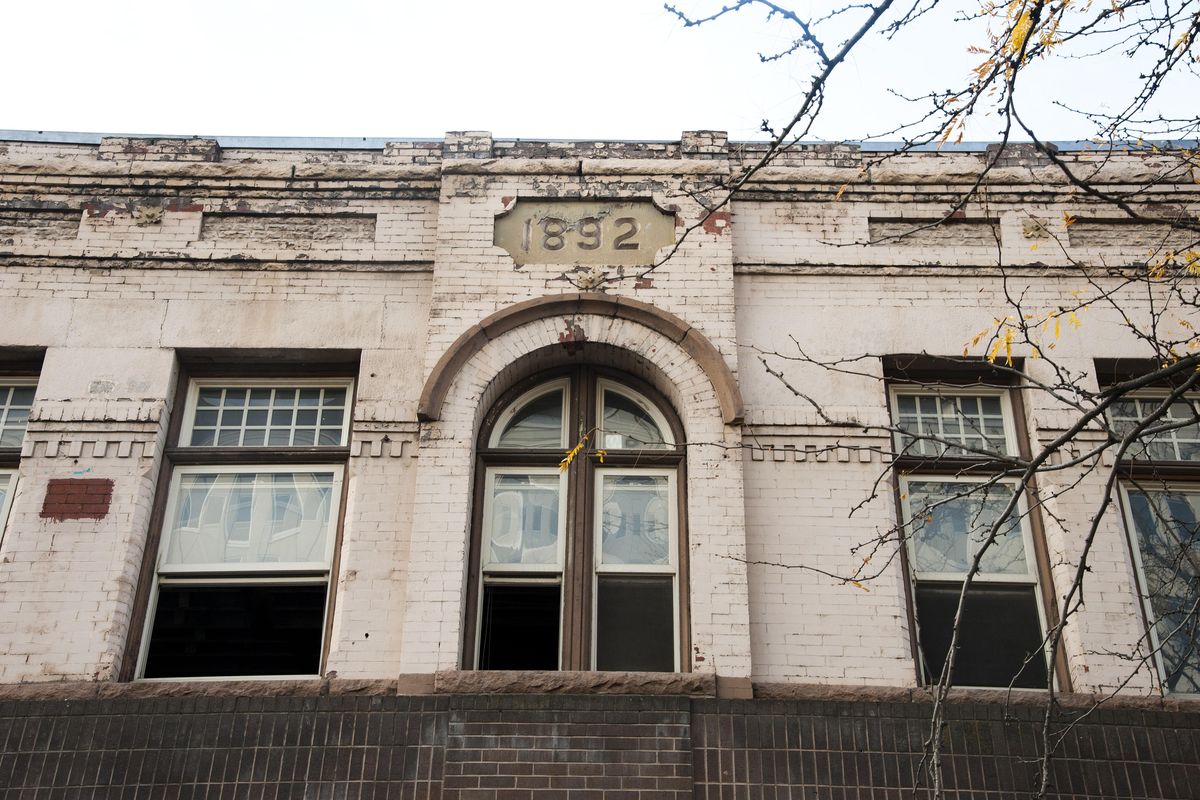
x=1140, y=582
x=271, y=369
x=6, y=501
x=578, y=581
x=926, y=375
x=1169, y=475
x=25, y=371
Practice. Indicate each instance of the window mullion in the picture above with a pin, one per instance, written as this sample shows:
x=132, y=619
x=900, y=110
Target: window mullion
x=577, y=582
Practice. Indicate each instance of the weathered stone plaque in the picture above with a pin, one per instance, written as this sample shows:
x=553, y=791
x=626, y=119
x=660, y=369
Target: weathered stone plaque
x=603, y=232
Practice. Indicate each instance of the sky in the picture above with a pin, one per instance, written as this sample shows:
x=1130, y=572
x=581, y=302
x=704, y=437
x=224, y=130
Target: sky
x=606, y=69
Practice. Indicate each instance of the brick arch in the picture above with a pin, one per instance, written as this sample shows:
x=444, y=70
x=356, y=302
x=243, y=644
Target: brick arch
x=690, y=340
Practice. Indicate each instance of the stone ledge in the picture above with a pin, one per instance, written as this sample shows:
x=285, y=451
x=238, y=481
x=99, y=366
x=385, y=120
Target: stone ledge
x=95, y=690
x=689, y=684
x=666, y=684
x=992, y=697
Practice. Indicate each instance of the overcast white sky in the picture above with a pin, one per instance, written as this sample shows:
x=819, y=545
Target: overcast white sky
x=619, y=69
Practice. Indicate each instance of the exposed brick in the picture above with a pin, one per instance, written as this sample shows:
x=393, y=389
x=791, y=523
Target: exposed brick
x=77, y=498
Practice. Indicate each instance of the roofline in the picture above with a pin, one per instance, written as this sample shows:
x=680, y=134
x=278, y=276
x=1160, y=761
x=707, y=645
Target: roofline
x=379, y=142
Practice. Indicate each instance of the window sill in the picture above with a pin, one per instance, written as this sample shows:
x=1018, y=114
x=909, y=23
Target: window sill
x=688, y=684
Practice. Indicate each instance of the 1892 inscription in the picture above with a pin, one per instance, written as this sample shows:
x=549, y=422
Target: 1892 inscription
x=606, y=232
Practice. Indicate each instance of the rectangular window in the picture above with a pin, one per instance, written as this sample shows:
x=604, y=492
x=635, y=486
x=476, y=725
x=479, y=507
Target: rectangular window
x=16, y=401
x=1165, y=524
x=1162, y=518
x=964, y=424
x=1178, y=436
x=242, y=576
x=636, y=541
x=949, y=520
x=524, y=549
x=8, y=485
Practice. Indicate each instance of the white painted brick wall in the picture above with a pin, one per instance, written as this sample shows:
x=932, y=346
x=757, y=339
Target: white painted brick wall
x=116, y=300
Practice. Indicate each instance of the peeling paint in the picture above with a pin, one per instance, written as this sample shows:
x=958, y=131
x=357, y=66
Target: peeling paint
x=717, y=222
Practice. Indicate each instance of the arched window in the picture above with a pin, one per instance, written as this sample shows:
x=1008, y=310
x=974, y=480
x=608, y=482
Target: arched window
x=579, y=566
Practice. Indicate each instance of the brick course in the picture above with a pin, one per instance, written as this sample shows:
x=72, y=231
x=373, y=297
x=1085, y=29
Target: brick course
x=504, y=747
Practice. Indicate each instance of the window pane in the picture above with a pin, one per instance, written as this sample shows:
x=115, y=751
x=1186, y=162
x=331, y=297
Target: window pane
x=252, y=518
x=222, y=417
x=950, y=522
x=536, y=424
x=5, y=486
x=1181, y=442
x=208, y=631
x=22, y=397
x=524, y=514
x=1000, y=629
x=1168, y=534
x=635, y=623
x=626, y=425
x=519, y=627
x=967, y=425
x=635, y=519
x=15, y=403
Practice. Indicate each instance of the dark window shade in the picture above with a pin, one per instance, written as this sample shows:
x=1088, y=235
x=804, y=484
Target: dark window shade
x=519, y=627
x=635, y=624
x=1000, y=628
x=211, y=631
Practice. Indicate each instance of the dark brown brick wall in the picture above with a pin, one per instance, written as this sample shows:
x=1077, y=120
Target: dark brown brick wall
x=248, y=747
x=837, y=749
x=541, y=747
x=77, y=498
x=585, y=748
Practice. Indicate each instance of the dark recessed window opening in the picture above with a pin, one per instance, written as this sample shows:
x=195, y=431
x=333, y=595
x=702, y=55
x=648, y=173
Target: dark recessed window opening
x=213, y=631
x=519, y=628
x=1000, y=630
x=635, y=624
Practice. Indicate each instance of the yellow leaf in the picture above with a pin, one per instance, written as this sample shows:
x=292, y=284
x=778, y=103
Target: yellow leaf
x=574, y=451
x=860, y=586
x=1020, y=31
x=1068, y=220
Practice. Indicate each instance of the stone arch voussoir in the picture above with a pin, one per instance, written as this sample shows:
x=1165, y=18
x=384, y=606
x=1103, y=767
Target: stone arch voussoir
x=494, y=328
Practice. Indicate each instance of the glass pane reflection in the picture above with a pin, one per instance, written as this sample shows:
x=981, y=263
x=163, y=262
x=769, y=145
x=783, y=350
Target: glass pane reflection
x=626, y=425
x=1168, y=533
x=635, y=521
x=950, y=522
x=252, y=518
x=523, y=528
x=536, y=424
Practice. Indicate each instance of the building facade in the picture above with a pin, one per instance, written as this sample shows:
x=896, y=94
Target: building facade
x=489, y=468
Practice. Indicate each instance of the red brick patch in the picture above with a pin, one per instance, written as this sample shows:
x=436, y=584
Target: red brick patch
x=77, y=498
